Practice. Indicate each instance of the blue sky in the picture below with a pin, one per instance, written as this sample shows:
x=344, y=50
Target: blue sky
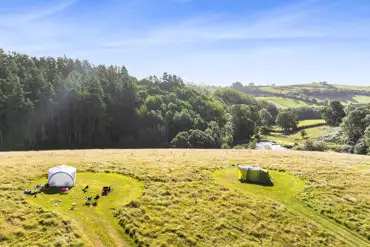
x=204, y=41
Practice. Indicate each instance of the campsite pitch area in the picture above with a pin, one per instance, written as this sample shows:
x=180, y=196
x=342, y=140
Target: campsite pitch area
x=284, y=191
x=183, y=204
x=96, y=220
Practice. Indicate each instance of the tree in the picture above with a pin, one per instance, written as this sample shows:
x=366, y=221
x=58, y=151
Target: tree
x=181, y=140
x=265, y=117
x=200, y=139
x=355, y=124
x=287, y=120
x=367, y=138
x=193, y=139
x=334, y=113
x=245, y=122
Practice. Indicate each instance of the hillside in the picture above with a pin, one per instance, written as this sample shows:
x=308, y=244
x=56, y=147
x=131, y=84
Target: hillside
x=188, y=199
x=313, y=94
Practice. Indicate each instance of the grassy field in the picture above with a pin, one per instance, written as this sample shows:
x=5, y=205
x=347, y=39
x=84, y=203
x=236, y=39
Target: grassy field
x=183, y=203
x=362, y=99
x=364, y=88
x=96, y=221
x=283, y=102
x=310, y=122
x=283, y=139
x=284, y=191
x=291, y=139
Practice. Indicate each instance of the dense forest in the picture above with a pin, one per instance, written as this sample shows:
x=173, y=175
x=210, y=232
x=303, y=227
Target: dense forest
x=60, y=103
x=55, y=103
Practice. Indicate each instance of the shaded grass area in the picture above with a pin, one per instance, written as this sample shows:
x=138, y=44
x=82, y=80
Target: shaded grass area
x=182, y=206
x=284, y=190
x=94, y=217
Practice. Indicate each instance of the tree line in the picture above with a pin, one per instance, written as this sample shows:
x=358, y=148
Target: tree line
x=61, y=103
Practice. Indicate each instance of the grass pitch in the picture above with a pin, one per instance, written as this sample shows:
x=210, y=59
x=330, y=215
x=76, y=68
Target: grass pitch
x=97, y=221
x=285, y=189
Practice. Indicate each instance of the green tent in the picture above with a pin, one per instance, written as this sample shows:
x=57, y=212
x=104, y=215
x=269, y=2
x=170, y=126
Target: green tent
x=254, y=174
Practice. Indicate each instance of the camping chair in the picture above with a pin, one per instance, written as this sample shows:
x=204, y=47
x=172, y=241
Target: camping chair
x=106, y=190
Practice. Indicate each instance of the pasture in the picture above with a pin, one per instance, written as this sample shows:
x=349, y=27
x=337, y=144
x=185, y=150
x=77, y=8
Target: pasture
x=184, y=203
x=281, y=102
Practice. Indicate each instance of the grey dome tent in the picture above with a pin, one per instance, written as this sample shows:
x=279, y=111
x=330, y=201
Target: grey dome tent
x=61, y=176
x=254, y=174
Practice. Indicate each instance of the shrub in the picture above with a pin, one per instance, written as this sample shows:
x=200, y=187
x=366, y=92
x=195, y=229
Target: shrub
x=310, y=145
x=253, y=144
x=347, y=148
x=264, y=130
x=239, y=147
x=360, y=147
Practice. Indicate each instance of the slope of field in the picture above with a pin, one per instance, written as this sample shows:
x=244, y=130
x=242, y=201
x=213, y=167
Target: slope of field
x=283, y=102
x=182, y=205
x=284, y=190
x=291, y=139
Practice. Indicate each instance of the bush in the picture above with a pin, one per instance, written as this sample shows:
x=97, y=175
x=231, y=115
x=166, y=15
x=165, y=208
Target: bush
x=360, y=147
x=253, y=144
x=347, y=148
x=225, y=146
x=239, y=147
x=310, y=145
x=264, y=130
x=334, y=136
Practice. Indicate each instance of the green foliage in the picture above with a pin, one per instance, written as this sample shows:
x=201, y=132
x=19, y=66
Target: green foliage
x=233, y=97
x=266, y=117
x=367, y=137
x=245, y=121
x=48, y=103
x=287, y=120
x=361, y=146
x=193, y=139
x=253, y=144
x=355, y=124
x=334, y=113
x=310, y=145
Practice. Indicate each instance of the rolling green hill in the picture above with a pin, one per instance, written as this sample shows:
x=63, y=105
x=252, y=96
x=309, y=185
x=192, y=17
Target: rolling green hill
x=313, y=94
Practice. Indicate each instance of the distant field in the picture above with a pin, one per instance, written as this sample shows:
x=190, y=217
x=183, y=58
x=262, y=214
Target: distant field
x=312, y=133
x=362, y=99
x=283, y=102
x=310, y=122
x=353, y=87
x=271, y=89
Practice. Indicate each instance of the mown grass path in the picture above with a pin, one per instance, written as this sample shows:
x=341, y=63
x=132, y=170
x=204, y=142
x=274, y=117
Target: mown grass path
x=97, y=223
x=284, y=190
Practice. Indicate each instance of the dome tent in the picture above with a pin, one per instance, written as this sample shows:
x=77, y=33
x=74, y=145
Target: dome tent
x=254, y=174
x=60, y=176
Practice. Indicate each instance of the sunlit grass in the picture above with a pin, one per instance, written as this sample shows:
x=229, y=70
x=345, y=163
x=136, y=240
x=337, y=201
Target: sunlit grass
x=284, y=102
x=97, y=221
x=182, y=205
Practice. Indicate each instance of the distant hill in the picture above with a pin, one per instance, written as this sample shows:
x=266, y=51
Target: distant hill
x=313, y=94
